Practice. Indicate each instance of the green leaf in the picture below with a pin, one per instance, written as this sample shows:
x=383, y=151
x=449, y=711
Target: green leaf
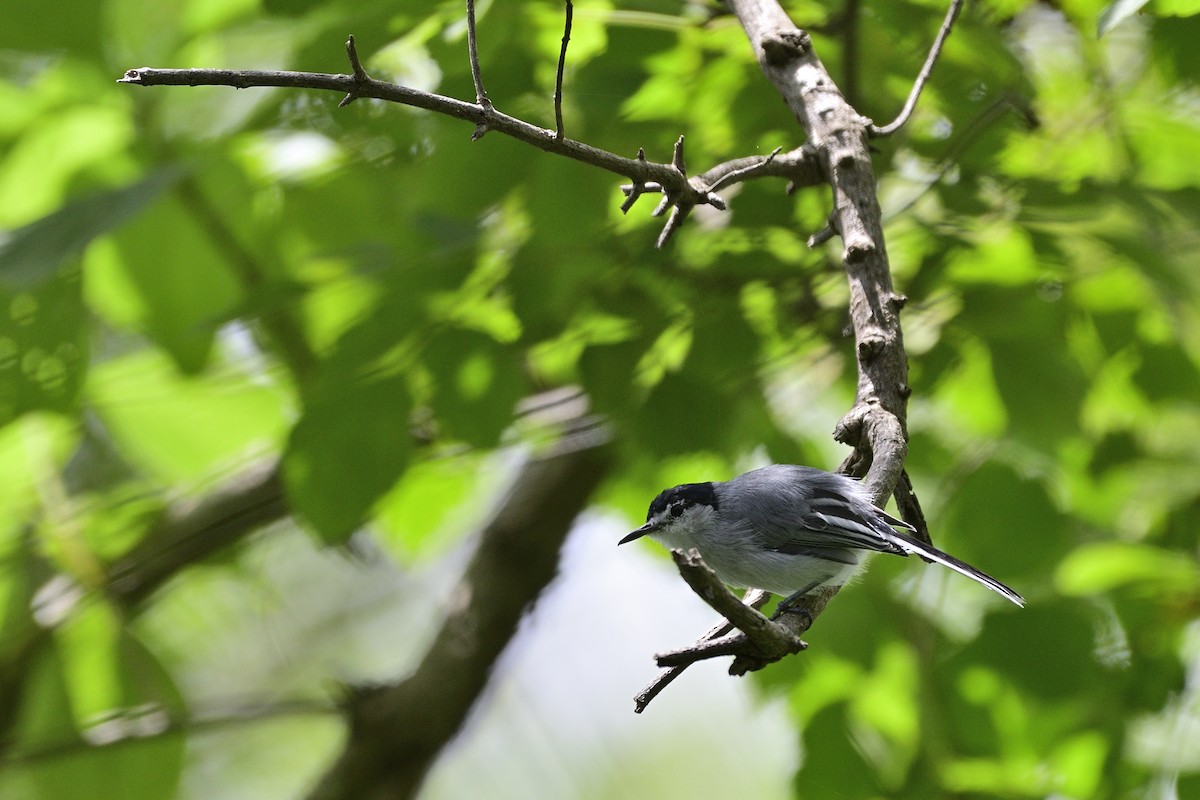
x=1105, y=566
x=43, y=347
x=476, y=385
x=121, y=754
x=182, y=428
x=32, y=255
x=43, y=336
x=179, y=301
x=431, y=503
x=831, y=759
x=349, y=447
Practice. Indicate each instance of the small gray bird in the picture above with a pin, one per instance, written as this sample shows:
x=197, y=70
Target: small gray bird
x=788, y=530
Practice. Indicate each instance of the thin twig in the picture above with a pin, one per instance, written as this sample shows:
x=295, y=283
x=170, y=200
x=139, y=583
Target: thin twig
x=762, y=641
x=800, y=165
x=473, y=53
x=558, y=79
x=821, y=237
x=923, y=77
x=674, y=222
x=755, y=598
x=677, y=156
x=356, y=67
x=740, y=174
x=970, y=133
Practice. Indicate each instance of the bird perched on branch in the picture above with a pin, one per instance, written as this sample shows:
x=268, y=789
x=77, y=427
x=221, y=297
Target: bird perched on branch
x=789, y=530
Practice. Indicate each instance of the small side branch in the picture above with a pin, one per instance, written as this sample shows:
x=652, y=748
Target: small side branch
x=680, y=194
x=558, y=78
x=800, y=166
x=481, y=96
x=922, y=77
x=754, y=599
x=356, y=67
x=761, y=641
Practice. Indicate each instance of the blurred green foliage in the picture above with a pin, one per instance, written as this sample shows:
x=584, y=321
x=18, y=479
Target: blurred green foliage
x=195, y=278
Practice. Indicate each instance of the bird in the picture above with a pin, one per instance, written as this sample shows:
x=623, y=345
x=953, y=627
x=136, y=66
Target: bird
x=788, y=530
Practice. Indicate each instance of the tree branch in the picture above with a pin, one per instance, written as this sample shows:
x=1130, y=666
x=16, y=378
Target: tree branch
x=191, y=532
x=397, y=730
x=481, y=96
x=922, y=76
x=875, y=425
x=558, y=77
x=185, y=535
x=678, y=190
x=755, y=598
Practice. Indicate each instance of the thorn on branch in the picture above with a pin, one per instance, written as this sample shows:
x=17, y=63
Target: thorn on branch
x=360, y=75
x=674, y=222
x=825, y=234
x=677, y=157
x=632, y=192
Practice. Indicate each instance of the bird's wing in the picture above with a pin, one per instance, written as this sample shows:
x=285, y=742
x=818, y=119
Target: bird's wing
x=798, y=510
x=832, y=521
x=835, y=518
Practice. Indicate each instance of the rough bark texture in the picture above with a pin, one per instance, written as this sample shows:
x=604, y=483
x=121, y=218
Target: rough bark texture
x=875, y=426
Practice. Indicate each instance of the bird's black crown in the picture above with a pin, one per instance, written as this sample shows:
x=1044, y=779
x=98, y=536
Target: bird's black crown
x=679, y=498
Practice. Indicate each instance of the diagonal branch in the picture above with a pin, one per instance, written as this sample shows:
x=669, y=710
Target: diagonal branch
x=754, y=599
x=922, y=76
x=191, y=532
x=875, y=425
x=396, y=730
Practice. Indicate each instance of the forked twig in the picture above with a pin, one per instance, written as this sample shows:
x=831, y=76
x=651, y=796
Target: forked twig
x=755, y=599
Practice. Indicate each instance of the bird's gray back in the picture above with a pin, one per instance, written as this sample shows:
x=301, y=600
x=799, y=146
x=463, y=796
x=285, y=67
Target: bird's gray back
x=789, y=505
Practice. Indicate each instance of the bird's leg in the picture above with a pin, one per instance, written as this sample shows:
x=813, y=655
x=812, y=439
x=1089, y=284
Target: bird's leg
x=786, y=605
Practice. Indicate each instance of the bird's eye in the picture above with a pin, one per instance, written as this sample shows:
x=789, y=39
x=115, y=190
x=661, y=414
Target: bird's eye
x=677, y=510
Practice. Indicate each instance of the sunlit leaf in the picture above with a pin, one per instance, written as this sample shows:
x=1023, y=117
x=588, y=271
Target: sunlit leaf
x=1105, y=566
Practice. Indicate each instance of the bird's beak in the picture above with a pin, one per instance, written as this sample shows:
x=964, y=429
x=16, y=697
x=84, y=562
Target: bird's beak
x=639, y=533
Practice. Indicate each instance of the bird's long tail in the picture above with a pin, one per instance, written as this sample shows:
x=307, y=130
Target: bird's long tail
x=931, y=553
